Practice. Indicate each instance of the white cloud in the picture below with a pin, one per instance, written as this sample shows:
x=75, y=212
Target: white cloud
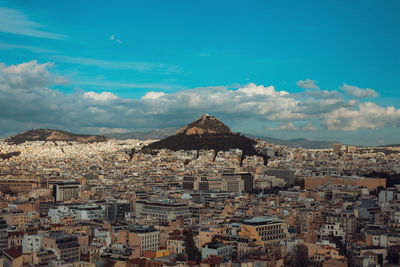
x=105, y=130
x=321, y=94
x=15, y=22
x=57, y=79
x=285, y=127
x=103, y=97
x=253, y=89
x=112, y=38
x=357, y=92
x=292, y=128
x=309, y=127
x=26, y=101
x=121, y=65
x=153, y=95
x=366, y=115
x=34, y=49
x=111, y=84
x=29, y=75
x=307, y=84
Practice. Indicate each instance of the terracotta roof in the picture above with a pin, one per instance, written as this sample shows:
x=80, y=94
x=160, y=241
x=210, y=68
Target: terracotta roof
x=137, y=260
x=16, y=233
x=13, y=253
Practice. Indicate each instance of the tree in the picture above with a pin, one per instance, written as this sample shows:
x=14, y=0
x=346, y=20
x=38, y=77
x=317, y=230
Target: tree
x=300, y=256
x=216, y=239
x=192, y=252
x=180, y=257
x=277, y=252
x=394, y=255
x=339, y=244
x=108, y=262
x=288, y=260
x=298, y=224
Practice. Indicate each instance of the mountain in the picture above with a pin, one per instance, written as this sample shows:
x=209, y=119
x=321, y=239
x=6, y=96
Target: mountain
x=390, y=145
x=53, y=135
x=207, y=133
x=149, y=135
x=205, y=125
x=296, y=142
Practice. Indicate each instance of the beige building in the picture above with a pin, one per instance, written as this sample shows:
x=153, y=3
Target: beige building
x=66, y=191
x=269, y=230
x=65, y=246
x=140, y=240
x=232, y=183
x=370, y=183
x=163, y=211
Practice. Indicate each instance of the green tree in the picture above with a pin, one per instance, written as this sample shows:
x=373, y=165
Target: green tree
x=192, y=252
x=108, y=262
x=180, y=257
x=300, y=256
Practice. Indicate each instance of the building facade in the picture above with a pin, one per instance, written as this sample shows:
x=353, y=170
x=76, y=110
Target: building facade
x=163, y=211
x=66, y=191
x=269, y=230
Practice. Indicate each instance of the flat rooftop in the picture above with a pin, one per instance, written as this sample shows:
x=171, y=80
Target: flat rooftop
x=261, y=220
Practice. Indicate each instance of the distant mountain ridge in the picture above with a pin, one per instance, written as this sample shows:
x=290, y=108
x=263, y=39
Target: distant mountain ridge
x=205, y=125
x=390, y=145
x=296, y=142
x=143, y=135
x=53, y=135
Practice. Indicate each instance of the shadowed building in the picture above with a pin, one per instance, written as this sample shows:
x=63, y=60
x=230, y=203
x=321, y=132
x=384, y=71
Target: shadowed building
x=65, y=245
x=115, y=210
x=66, y=191
x=3, y=235
x=370, y=183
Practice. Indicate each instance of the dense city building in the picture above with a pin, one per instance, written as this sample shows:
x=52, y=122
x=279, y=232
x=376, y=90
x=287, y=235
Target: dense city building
x=3, y=235
x=65, y=191
x=116, y=210
x=98, y=203
x=163, y=211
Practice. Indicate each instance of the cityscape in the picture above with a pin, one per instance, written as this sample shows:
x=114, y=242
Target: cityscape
x=149, y=134
x=113, y=203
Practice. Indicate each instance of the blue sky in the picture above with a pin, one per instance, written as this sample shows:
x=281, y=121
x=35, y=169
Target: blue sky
x=334, y=66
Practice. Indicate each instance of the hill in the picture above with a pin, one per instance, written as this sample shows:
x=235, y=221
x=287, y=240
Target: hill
x=159, y=134
x=10, y=155
x=53, y=135
x=211, y=141
x=205, y=125
x=207, y=133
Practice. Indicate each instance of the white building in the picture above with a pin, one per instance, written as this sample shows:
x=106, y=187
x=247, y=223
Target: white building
x=31, y=243
x=163, y=211
x=149, y=238
x=331, y=230
x=386, y=196
x=78, y=212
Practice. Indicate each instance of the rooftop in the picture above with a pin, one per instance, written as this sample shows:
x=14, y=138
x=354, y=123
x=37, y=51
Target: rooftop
x=261, y=220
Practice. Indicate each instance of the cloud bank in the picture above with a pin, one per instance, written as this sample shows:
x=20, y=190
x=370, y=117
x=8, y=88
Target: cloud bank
x=28, y=101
